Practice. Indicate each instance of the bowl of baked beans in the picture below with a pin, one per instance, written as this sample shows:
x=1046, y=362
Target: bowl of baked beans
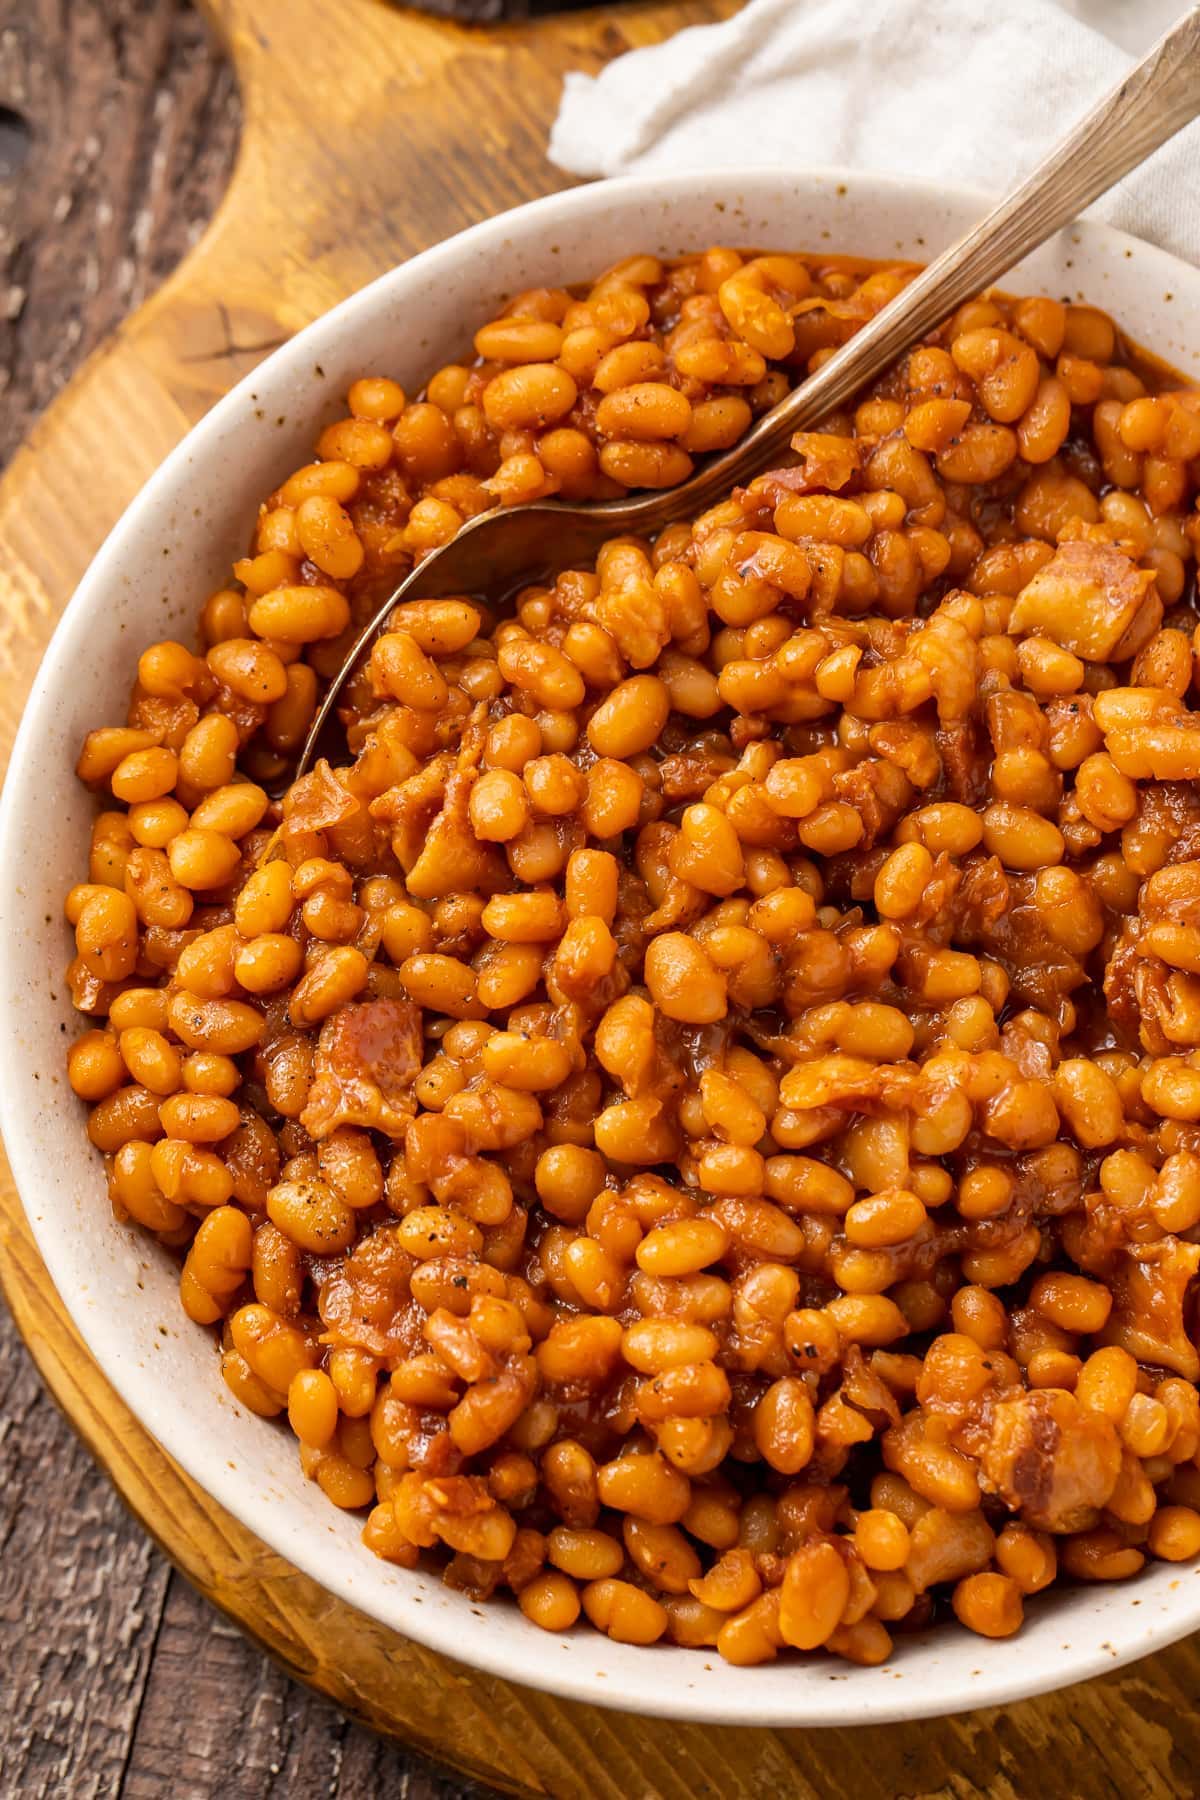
x=684, y=1123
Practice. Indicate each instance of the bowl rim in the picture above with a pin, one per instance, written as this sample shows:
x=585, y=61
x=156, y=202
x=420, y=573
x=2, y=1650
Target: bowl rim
x=528, y=1656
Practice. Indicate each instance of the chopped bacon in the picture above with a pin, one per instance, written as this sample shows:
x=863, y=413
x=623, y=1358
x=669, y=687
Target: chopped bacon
x=364, y=1300
x=828, y=463
x=1051, y=1459
x=1086, y=598
x=1121, y=989
x=997, y=912
x=434, y=842
x=317, y=801
x=1171, y=810
x=452, y=859
x=936, y=901
x=173, y=719
x=368, y=1056
x=1151, y=1287
x=1148, y=1002
x=964, y=770
x=432, y=1450
x=411, y=806
x=879, y=792
x=688, y=774
x=983, y=897
x=868, y=1392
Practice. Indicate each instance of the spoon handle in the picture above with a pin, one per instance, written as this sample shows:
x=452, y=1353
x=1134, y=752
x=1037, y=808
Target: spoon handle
x=1152, y=103
x=1157, y=98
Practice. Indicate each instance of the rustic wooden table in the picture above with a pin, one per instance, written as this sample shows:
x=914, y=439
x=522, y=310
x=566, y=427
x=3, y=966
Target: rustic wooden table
x=118, y=127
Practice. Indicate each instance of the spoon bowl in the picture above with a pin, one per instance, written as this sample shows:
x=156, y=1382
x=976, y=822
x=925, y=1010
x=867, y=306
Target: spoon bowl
x=488, y=555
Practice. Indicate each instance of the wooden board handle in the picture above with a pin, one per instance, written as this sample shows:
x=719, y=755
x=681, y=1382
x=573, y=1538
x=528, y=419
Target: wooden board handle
x=370, y=131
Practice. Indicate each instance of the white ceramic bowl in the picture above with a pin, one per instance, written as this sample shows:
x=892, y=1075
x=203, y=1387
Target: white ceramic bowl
x=173, y=546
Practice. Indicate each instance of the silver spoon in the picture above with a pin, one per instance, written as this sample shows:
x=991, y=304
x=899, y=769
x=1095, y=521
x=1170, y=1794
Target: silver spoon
x=541, y=538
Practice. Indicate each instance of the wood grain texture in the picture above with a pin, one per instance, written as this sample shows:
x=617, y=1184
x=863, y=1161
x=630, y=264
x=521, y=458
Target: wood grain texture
x=251, y=1734
x=95, y=1588
x=131, y=115
x=369, y=134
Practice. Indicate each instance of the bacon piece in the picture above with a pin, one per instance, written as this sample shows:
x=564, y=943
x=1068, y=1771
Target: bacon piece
x=322, y=801
x=364, y=1299
x=828, y=463
x=317, y=801
x=1123, y=991
x=368, y=1056
x=1150, y=1289
x=964, y=765
x=1148, y=1002
x=1170, y=811
x=452, y=859
x=411, y=806
x=439, y=850
x=868, y=1392
x=997, y=912
x=173, y=719
x=689, y=773
x=879, y=792
x=1051, y=1459
x=1086, y=598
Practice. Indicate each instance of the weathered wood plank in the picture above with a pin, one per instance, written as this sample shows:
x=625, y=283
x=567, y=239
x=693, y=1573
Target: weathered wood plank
x=119, y=125
x=218, y=1719
x=131, y=118
x=81, y=1595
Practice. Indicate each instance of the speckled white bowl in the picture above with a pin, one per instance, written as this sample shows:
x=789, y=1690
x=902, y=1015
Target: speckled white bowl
x=172, y=547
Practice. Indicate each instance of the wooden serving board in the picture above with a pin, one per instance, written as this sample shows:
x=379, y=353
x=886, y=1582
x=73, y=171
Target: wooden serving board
x=371, y=133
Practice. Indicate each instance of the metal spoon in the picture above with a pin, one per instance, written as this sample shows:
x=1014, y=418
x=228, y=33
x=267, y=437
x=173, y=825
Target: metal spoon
x=540, y=539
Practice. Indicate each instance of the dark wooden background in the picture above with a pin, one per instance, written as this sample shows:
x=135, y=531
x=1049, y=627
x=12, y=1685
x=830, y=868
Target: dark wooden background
x=118, y=128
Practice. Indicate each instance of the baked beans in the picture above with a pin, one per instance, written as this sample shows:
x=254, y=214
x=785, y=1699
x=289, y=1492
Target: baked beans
x=695, y=1121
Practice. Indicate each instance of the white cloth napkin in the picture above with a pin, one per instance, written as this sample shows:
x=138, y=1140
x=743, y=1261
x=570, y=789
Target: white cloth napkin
x=966, y=91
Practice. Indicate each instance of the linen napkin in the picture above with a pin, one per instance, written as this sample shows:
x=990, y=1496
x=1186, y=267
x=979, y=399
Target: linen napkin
x=972, y=92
